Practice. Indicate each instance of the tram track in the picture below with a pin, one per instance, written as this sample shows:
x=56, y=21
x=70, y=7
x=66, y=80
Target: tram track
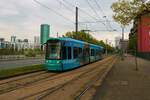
x=90, y=84
x=24, y=81
x=73, y=87
x=41, y=97
x=9, y=80
x=42, y=94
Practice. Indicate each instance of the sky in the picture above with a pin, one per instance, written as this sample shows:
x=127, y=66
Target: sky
x=23, y=18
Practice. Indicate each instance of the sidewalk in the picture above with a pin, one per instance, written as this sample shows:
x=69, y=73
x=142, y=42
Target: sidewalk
x=123, y=82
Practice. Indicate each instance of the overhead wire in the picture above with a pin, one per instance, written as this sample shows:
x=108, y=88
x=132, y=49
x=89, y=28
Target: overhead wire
x=81, y=10
x=41, y=4
x=64, y=4
x=98, y=5
x=90, y=5
x=96, y=2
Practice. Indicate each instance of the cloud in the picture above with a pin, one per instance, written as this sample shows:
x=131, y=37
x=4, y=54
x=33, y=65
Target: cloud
x=23, y=17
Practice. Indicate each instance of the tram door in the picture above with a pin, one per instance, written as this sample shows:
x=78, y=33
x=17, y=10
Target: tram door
x=86, y=54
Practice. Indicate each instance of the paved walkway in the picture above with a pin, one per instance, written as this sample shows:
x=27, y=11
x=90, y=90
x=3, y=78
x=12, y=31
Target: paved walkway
x=124, y=83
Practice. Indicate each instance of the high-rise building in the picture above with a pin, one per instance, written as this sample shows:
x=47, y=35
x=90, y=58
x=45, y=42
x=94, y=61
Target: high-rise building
x=44, y=33
x=18, y=44
x=124, y=45
x=2, y=39
x=13, y=39
x=36, y=40
x=26, y=40
x=117, y=42
x=2, y=42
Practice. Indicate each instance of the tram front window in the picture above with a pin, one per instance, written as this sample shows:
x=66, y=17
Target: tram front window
x=53, y=50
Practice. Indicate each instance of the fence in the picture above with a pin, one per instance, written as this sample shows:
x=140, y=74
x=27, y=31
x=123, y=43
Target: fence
x=145, y=55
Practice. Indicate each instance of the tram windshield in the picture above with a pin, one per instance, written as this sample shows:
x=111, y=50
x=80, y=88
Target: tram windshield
x=53, y=50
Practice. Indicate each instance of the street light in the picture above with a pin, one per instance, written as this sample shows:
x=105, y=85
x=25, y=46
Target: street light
x=122, y=51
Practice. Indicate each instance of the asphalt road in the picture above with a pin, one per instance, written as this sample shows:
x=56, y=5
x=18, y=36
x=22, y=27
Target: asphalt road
x=19, y=63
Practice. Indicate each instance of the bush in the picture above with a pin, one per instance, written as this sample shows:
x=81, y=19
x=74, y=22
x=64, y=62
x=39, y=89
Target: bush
x=30, y=53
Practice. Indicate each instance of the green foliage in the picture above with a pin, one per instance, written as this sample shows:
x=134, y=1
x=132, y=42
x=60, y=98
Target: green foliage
x=125, y=11
x=11, y=51
x=133, y=36
x=30, y=53
x=27, y=52
x=20, y=70
x=81, y=35
x=37, y=51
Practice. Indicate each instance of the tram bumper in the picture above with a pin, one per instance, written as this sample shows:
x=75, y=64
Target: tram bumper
x=53, y=65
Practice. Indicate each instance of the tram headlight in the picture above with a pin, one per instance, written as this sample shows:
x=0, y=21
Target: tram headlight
x=58, y=62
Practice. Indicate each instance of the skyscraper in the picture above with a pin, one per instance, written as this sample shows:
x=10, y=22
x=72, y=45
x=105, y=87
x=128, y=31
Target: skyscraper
x=44, y=33
x=36, y=40
x=117, y=42
x=13, y=39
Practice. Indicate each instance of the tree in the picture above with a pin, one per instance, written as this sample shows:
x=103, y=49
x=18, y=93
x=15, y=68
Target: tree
x=126, y=10
x=81, y=35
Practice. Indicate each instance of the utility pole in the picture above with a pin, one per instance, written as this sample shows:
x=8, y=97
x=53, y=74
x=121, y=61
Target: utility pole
x=136, y=50
x=86, y=27
x=87, y=31
x=122, y=43
x=76, y=24
x=122, y=32
x=136, y=62
x=106, y=47
x=57, y=34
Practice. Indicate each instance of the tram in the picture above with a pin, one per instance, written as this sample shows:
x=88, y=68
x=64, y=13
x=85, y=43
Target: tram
x=67, y=53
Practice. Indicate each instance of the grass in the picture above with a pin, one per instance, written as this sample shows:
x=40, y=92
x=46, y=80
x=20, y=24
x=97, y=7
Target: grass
x=20, y=71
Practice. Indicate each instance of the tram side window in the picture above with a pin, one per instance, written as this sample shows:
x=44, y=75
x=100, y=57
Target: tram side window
x=75, y=52
x=92, y=52
x=69, y=53
x=97, y=52
x=85, y=52
x=64, y=52
x=80, y=52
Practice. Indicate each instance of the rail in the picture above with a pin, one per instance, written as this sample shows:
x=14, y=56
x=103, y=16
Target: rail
x=42, y=94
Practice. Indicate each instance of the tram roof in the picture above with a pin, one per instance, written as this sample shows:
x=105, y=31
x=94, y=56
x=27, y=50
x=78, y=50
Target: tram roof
x=74, y=40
